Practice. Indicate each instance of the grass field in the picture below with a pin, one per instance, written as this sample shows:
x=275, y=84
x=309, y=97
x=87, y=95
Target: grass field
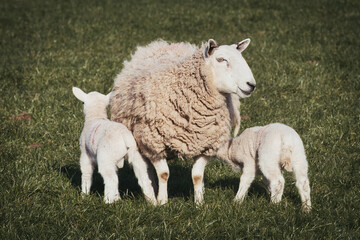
x=304, y=56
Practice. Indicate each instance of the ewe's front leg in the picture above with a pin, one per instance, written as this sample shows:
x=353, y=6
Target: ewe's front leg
x=162, y=171
x=197, y=174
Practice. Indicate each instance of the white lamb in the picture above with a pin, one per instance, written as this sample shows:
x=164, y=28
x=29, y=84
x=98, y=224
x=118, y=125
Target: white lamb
x=268, y=149
x=107, y=143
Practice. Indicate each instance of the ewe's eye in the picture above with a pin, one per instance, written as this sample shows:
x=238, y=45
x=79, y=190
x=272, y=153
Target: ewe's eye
x=221, y=59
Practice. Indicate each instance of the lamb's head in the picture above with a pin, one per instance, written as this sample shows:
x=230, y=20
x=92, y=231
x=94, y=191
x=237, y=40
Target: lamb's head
x=95, y=104
x=230, y=71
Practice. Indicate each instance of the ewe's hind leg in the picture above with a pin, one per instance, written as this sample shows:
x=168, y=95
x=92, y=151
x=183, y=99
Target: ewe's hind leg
x=247, y=177
x=162, y=171
x=108, y=170
x=300, y=168
x=142, y=174
x=87, y=169
x=197, y=174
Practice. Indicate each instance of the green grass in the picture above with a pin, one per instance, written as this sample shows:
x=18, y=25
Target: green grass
x=304, y=56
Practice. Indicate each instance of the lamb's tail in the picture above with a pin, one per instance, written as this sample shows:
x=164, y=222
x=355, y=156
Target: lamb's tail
x=286, y=157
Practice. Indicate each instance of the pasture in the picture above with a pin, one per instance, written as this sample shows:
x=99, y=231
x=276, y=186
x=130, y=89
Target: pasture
x=304, y=56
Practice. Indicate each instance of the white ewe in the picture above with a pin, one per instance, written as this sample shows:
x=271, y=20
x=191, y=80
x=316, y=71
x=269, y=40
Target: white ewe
x=268, y=149
x=179, y=106
x=107, y=143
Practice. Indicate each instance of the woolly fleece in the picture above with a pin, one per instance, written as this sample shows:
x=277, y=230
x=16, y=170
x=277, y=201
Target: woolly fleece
x=171, y=106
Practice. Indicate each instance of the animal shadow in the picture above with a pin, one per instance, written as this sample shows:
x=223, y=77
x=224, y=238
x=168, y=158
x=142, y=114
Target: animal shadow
x=257, y=189
x=180, y=183
x=128, y=184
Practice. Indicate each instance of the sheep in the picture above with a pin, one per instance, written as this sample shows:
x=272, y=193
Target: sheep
x=165, y=53
x=107, y=143
x=177, y=106
x=268, y=149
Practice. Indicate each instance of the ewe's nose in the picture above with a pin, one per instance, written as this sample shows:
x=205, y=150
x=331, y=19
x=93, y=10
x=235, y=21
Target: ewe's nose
x=251, y=85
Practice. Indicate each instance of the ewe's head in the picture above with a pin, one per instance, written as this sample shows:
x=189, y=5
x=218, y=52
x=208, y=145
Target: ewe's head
x=230, y=71
x=95, y=104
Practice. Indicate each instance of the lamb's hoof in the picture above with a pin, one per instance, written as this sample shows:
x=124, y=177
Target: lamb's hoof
x=84, y=195
x=112, y=199
x=152, y=202
x=238, y=200
x=199, y=204
x=306, y=208
x=162, y=201
x=276, y=200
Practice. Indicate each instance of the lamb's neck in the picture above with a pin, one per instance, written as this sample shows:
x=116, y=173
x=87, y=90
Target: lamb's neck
x=226, y=154
x=224, y=151
x=89, y=119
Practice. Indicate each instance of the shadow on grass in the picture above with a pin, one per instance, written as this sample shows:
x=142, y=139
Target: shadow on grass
x=127, y=181
x=257, y=189
x=179, y=185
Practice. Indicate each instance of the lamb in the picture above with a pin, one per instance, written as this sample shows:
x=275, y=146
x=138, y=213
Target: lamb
x=177, y=106
x=268, y=149
x=106, y=144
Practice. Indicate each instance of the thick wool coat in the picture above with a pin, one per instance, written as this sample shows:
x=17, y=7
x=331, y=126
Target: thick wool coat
x=172, y=107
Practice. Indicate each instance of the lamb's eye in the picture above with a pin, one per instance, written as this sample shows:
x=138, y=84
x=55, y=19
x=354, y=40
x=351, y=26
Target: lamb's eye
x=221, y=59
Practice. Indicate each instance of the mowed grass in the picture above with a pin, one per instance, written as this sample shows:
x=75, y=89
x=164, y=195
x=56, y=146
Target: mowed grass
x=304, y=56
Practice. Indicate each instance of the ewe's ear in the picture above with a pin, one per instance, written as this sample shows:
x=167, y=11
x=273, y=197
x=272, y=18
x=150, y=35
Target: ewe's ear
x=241, y=46
x=210, y=48
x=79, y=94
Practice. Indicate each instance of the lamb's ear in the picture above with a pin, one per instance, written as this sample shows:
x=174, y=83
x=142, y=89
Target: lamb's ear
x=241, y=46
x=211, y=46
x=79, y=94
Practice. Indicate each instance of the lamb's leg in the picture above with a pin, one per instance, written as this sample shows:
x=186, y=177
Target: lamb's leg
x=142, y=174
x=276, y=184
x=87, y=169
x=197, y=174
x=269, y=166
x=300, y=168
x=303, y=186
x=108, y=170
x=247, y=177
x=162, y=171
x=111, y=182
